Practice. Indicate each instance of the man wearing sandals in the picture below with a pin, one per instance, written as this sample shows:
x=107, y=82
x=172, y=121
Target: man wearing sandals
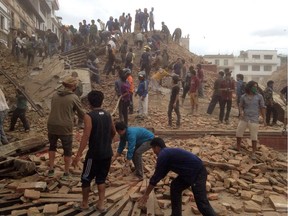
x=98, y=133
x=250, y=104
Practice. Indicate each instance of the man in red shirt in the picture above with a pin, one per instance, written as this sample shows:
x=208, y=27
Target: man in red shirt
x=227, y=87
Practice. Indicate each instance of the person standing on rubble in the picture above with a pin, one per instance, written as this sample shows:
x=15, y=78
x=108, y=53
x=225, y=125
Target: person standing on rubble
x=216, y=97
x=174, y=101
x=166, y=32
x=200, y=76
x=3, y=112
x=20, y=111
x=251, y=103
x=187, y=83
x=98, y=133
x=31, y=46
x=227, y=87
x=142, y=92
x=283, y=95
x=145, y=61
x=138, y=140
x=109, y=66
x=194, y=87
x=60, y=124
x=52, y=41
x=191, y=173
x=270, y=104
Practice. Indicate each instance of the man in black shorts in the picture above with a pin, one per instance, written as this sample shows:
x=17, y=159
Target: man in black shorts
x=98, y=131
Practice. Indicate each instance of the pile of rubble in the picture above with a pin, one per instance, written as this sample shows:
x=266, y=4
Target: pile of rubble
x=236, y=184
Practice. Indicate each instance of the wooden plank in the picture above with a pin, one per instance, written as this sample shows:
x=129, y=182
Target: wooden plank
x=7, y=210
x=53, y=200
x=150, y=205
x=119, y=206
x=111, y=191
x=58, y=195
x=127, y=209
x=136, y=211
x=68, y=211
x=117, y=196
x=21, y=145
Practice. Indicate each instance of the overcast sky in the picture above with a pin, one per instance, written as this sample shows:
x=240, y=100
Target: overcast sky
x=214, y=26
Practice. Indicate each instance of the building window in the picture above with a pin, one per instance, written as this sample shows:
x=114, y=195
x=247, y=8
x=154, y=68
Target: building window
x=217, y=61
x=225, y=61
x=268, y=57
x=267, y=68
x=255, y=67
x=243, y=67
x=2, y=22
x=255, y=56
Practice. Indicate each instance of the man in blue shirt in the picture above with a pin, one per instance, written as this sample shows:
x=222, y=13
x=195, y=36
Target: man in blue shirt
x=191, y=173
x=138, y=139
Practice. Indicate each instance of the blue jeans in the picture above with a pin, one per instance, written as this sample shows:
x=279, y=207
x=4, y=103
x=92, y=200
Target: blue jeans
x=3, y=138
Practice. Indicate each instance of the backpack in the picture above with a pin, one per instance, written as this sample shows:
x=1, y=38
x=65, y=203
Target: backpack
x=129, y=57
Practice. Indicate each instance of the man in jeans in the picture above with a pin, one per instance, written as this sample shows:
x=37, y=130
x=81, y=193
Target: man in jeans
x=191, y=173
x=138, y=139
x=216, y=97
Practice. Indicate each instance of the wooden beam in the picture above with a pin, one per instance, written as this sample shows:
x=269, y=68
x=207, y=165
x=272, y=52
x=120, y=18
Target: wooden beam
x=119, y=206
x=127, y=209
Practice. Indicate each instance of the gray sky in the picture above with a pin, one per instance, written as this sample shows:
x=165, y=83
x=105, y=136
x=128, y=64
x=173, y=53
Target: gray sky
x=214, y=27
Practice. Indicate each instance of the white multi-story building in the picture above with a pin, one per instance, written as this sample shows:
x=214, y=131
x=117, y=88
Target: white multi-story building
x=253, y=64
x=256, y=64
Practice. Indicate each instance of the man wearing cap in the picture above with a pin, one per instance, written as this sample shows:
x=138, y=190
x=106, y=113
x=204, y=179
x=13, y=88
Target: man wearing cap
x=64, y=104
x=145, y=61
x=142, y=91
